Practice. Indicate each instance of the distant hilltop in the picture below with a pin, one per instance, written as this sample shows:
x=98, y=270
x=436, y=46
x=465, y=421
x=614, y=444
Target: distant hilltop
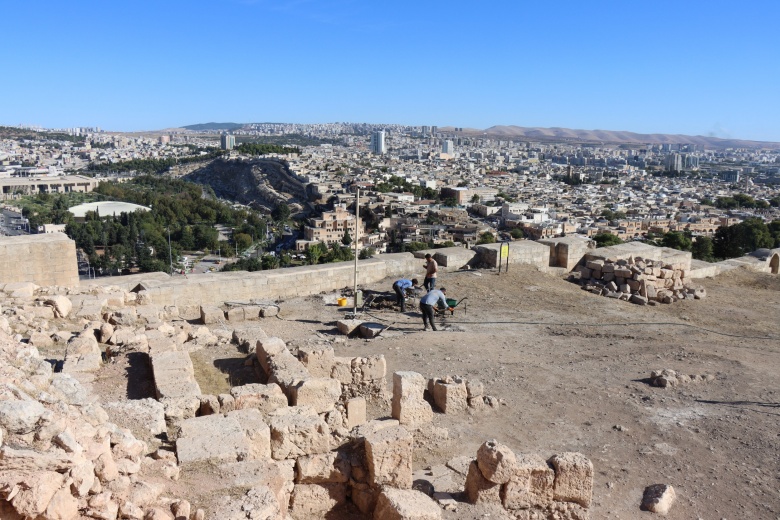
x=214, y=126
x=609, y=136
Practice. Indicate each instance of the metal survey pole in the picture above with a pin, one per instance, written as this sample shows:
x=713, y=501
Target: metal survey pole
x=357, y=236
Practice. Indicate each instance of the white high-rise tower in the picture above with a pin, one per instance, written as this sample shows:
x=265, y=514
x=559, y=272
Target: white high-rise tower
x=378, y=142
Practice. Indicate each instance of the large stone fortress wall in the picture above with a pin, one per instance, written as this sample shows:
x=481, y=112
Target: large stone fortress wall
x=48, y=259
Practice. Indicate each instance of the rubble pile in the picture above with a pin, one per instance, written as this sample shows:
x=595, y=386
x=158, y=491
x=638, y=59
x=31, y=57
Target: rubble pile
x=638, y=280
x=667, y=377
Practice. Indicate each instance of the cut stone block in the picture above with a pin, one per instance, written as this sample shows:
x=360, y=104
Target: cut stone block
x=316, y=500
x=277, y=475
x=212, y=438
x=317, y=360
x=356, y=412
x=295, y=435
x=256, y=430
x=389, y=457
x=267, y=348
x=405, y=504
x=451, y=397
x=371, y=330
x=211, y=315
x=347, y=327
x=235, y=314
x=319, y=393
x=408, y=405
x=323, y=468
x=573, y=478
x=342, y=370
x=265, y=398
x=480, y=490
x=140, y=415
x=531, y=486
x=496, y=461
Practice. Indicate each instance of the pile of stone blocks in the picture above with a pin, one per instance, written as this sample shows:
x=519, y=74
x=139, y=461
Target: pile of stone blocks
x=357, y=376
x=529, y=486
x=638, y=280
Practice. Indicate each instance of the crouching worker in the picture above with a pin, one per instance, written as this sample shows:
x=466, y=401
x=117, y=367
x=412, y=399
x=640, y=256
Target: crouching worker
x=427, y=302
x=400, y=287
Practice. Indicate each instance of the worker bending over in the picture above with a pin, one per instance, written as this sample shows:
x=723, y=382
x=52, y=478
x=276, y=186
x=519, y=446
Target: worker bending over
x=400, y=287
x=427, y=303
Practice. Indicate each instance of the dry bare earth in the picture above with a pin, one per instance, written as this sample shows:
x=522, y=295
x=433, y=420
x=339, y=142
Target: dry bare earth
x=571, y=367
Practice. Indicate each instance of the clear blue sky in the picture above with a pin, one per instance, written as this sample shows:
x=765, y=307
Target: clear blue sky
x=692, y=67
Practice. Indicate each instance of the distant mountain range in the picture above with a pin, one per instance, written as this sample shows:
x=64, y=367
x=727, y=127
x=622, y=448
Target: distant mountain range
x=609, y=136
x=565, y=134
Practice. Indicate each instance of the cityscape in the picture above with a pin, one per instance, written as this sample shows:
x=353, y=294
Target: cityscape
x=302, y=260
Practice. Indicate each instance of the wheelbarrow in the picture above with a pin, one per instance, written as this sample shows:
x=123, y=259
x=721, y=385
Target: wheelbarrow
x=451, y=304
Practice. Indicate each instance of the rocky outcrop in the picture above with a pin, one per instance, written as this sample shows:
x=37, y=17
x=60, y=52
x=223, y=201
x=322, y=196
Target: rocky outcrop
x=261, y=183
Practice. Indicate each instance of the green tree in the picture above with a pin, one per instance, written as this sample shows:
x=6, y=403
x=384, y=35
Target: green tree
x=346, y=239
x=517, y=233
x=677, y=240
x=475, y=199
x=742, y=238
x=366, y=253
x=702, y=249
x=486, y=238
x=314, y=253
x=607, y=239
x=243, y=241
x=281, y=212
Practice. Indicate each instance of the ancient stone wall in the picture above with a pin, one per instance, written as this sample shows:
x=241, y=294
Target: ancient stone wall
x=47, y=259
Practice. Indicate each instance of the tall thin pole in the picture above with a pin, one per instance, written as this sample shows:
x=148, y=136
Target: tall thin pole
x=357, y=236
x=170, y=254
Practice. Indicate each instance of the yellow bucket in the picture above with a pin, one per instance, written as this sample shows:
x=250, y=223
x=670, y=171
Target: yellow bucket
x=341, y=302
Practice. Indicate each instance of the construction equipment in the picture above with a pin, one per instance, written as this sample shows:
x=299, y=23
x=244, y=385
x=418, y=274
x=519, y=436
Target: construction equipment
x=451, y=304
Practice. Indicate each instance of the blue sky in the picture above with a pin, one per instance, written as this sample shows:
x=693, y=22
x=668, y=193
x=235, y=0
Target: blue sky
x=689, y=67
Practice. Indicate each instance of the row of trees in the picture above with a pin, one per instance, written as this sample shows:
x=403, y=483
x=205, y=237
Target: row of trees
x=729, y=241
x=264, y=149
x=150, y=166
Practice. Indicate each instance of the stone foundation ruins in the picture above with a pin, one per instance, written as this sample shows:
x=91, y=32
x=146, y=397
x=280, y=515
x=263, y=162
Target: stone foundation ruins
x=297, y=444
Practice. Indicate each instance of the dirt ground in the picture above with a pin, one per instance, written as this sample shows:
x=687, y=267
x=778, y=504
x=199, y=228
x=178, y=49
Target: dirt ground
x=573, y=369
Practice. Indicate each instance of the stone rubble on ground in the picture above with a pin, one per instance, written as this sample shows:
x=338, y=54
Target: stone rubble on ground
x=671, y=378
x=640, y=281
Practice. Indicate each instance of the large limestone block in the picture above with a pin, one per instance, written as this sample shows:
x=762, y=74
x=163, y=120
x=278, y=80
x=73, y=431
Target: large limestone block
x=356, y=412
x=389, y=457
x=317, y=360
x=318, y=393
x=257, y=431
x=294, y=435
x=316, y=500
x=211, y=315
x=247, y=338
x=496, y=461
x=266, y=349
x=323, y=468
x=573, y=478
x=287, y=371
x=405, y=504
x=20, y=417
x=531, y=486
x=36, y=492
x=277, y=475
x=62, y=305
x=265, y=398
x=342, y=370
x=408, y=405
x=212, y=438
x=145, y=416
x=480, y=490
x=451, y=396
x=347, y=327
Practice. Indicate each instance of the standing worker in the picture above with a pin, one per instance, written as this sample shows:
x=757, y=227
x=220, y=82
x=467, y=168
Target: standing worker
x=427, y=302
x=431, y=268
x=400, y=287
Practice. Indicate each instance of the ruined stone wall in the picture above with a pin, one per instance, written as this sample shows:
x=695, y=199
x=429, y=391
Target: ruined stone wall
x=47, y=259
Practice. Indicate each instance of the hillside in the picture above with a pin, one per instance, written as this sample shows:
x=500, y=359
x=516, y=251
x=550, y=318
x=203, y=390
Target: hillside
x=213, y=126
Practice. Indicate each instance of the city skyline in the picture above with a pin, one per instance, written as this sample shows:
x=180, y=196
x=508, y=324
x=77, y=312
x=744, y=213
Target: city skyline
x=694, y=69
